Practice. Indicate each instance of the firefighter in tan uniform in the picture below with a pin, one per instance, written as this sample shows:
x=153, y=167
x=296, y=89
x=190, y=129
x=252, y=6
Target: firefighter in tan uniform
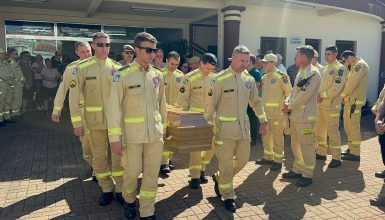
x=4, y=74
x=381, y=97
x=232, y=90
x=137, y=118
x=93, y=80
x=333, y=80
x=276, y=88
x=354, y=97
x=172, y=83
x=193, y=96
x=83, y=50
x=315, y=62
x=14, y=92
x=302, y=107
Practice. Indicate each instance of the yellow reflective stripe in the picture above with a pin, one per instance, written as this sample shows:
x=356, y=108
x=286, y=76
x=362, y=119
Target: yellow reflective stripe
x=158, y=116
x=218, y=142
x=210, y=122
x=224, y=76
x=147, y=194
x=312, y=118
x=227, y=118
x=267, y=152
x=360, y=102
x=322, y=143
x=128, y=70
x=102, y=175
x=279, y=155
x=198, y=167
x=76, y=119
x=335, y=115
x=356, y=143
x=271, y=104
x=300, y=162
x=117, y=173
x=226, y=186
x=167, y=153
x=87, y=63
x=309, y=167
x=115, y=131
x=337, y=147
x=194, y=109
x=205, y=162
x=195, y=76
x=57, y=108
x=307, y=131
x=164, y=125
x=324, y=94
x=134, y=120
x=130, y=191
x=94, y=108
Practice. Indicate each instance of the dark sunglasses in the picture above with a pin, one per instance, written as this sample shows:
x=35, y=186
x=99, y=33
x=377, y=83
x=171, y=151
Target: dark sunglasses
x=103, y=44
x=149, y=49
x=129, y=52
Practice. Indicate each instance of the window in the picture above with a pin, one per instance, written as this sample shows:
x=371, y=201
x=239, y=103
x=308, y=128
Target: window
x=276, y=44
x=29, y=28
x=46, y=48
x=77, y=30
x=343, y=45
x=122, y=33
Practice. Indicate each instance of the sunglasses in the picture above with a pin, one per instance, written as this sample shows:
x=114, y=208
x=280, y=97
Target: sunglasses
x=149, y=49
x=129, y=52
x=103, y=44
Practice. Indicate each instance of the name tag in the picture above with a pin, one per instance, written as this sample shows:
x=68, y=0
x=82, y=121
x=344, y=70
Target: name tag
x=198, y=87
x=133, y=87
x=91, y=77
x=229, y=90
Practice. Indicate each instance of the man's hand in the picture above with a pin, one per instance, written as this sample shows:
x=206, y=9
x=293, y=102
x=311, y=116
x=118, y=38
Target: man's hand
x=380, y=129
x=55, y=118
x=263, y=128
x=117, y=148
x=78, y=131
x=285, y=108
x=319, y=99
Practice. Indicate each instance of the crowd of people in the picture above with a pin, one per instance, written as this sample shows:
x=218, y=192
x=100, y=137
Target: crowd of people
x=122, y=107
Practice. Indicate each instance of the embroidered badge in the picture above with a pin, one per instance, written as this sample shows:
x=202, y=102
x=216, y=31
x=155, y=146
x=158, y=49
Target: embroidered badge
x=248, y=84
x=212, y=82
x=285, y=80
x=113, y=72
x=210, y=92
x=73, y=84
x=186, y=82
x=273, y=81
x=74, y=71
x=182, y=89
x=177, y=79
x=357, y=68
x=156, y=80
x=116, y=78
x=340, y=72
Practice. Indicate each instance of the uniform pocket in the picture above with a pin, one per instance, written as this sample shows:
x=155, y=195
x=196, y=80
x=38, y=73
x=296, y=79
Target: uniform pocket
x=134, y=94
x=228, y=129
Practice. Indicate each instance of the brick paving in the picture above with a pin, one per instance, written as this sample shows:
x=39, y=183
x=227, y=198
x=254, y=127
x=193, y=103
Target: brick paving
x=43, y=176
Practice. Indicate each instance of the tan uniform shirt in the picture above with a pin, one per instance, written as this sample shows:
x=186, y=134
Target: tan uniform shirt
x=138, y=105
x=319, y=67
x=356, y=84
x=172, y=84
x=5, y=74
x=193, y=93
x=276, y=88
x=380, y=98
x=17, y=75
x=228, y=98
x=93, y=80
x=302, y=101
x=333, y=79
x=64, y=86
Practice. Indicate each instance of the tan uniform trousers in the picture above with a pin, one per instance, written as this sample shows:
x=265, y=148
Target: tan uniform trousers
x=14, y=98
x=232, y=156
x=302, y=138
x=198, y=162
x=327, y=125
x=273, y=141
x=352, y=129
x=105, y=173
x=137, y=158
x=86, y=141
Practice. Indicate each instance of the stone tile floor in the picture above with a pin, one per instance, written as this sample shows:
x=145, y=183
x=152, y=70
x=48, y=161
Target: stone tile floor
x=43, y=176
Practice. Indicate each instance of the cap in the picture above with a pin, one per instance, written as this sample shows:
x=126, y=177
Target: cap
x=127, y=47
x=194, y=59
x=209, y=58
x=269, y=58
x=316, y=54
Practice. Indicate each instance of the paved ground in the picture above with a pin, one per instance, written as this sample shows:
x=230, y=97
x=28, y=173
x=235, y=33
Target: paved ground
x=43, y=176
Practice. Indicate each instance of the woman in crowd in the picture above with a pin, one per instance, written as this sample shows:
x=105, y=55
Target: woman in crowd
x=37, y=67
x=51, y=76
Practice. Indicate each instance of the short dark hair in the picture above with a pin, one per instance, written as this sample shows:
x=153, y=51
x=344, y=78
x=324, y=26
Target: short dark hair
x=11, y=50
x=81, y=43
x=259, y=57
x=144, y=36
x=347, y=53
x=209, y=58
x=22, y=54
x=253, y=59
x=332, y=48
x=173, y=54
x=306, y=50
x=98, y=35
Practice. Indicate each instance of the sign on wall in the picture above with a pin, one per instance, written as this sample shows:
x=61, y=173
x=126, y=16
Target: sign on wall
x=295, y=40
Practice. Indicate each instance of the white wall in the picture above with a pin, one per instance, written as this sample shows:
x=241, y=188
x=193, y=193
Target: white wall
x=257, y=22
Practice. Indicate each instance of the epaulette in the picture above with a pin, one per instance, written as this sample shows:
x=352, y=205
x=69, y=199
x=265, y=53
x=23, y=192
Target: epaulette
x=157, y=68
x=191, y=73
x=87, y=62
x=224, y=75
x=179, y=73
x=194, y=75
x=281, y=73
x=124, y=67
x=74, y=63
x=116, y=64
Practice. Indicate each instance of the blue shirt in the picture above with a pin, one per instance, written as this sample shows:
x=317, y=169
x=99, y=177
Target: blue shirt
x=258, y=78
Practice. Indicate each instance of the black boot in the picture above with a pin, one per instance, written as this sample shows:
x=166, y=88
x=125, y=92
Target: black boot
x=164, y=169
x=345, y=152
x=152, y=217
x=171, y=165
x=276, y=167
x=380, y=174
x=320, y=157
x=106, y=198
x=303, y=182
x=350, y=157
x=230, y=205
x=216, y=186
x=334, y=163
x=130, y=210
x=119, y=198
x=263, y=161
x=203, y=177
x=291, y=175
x=194, y=184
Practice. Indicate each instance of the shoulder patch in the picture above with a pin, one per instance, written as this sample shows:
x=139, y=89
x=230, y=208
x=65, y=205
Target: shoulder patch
x=357, y=68
x=285, y=79
x=75, y=71
x=212, y=83
x=340, y=72
x=73, y=84
x=116, y=78
x=186, y=81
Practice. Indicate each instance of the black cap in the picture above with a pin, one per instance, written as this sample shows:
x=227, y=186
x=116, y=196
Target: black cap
x=347, y=53
x=209, y=58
